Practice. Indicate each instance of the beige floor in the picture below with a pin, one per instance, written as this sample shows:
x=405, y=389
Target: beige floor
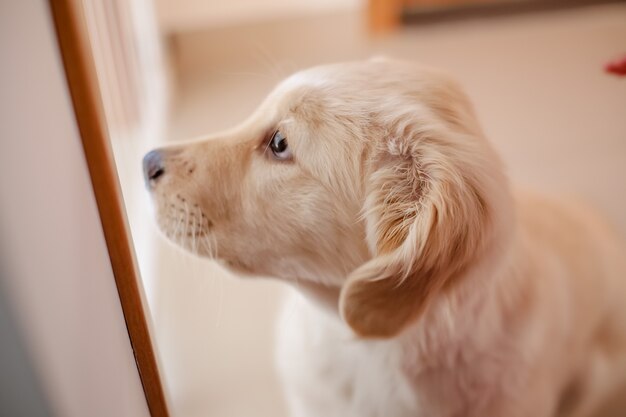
x=539, y=89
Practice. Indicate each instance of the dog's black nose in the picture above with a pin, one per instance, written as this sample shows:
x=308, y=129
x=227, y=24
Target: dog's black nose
x=152, y=167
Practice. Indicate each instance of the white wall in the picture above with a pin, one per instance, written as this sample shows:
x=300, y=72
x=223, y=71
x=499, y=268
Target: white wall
x=57, y=276
x=183, y=15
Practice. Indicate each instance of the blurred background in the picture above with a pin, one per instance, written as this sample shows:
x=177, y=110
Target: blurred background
x=177, y=69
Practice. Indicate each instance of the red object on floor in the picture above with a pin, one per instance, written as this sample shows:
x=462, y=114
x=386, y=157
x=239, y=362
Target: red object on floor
x=617, y=67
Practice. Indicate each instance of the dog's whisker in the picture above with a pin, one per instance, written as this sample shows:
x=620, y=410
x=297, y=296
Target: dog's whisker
x=184, y=238
x=179, y=225
x=208, y=243
x=192, y=219
x=263, y=55
x=203, y=248
x=215, y=247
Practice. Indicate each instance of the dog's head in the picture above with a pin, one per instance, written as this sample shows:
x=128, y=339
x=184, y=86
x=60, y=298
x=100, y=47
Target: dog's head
x=372, y=177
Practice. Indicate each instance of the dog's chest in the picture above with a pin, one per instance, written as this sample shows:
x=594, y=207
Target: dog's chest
x=327, y=372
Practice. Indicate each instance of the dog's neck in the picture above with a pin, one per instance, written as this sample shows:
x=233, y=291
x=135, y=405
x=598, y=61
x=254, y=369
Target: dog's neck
x=325, y=296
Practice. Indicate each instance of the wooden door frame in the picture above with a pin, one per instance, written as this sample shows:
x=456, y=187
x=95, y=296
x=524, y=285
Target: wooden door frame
x=86, y=98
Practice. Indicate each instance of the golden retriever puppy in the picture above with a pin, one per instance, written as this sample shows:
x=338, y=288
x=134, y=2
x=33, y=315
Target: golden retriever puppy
x=426, y=287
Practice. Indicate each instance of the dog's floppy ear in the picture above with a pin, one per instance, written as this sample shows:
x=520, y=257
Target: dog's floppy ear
x=426, y=219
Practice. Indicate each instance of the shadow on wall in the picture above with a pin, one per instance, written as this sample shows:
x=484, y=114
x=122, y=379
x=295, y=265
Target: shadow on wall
x=20, y=393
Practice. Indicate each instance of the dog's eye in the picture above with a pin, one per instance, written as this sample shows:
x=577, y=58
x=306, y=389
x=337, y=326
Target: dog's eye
x=279, y=146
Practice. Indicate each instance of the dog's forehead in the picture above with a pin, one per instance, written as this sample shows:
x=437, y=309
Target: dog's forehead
x=344, y=86
x=334, y=81
x=314, y=78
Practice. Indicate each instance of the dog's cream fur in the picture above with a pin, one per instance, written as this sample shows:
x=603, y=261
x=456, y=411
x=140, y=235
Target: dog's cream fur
x=426, y=287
